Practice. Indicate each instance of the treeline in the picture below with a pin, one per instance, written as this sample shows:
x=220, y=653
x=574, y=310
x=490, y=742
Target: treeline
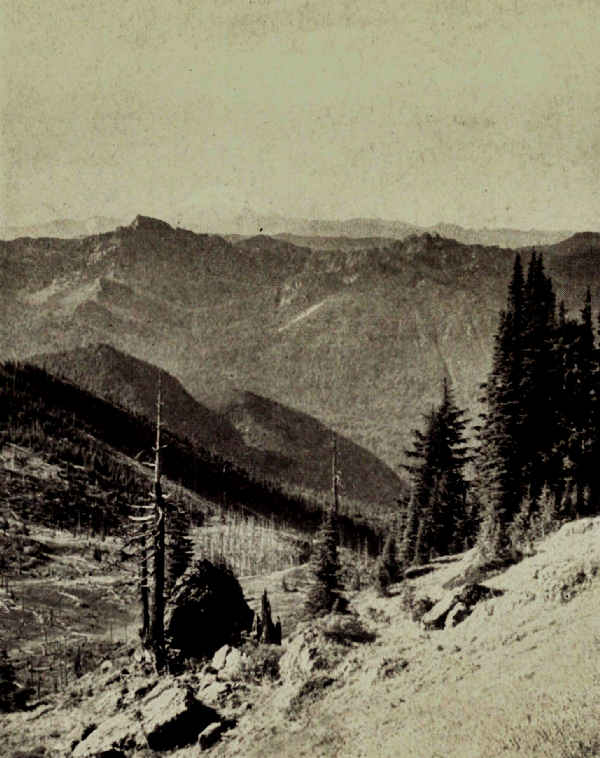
x=67, y=423
x=533, y=461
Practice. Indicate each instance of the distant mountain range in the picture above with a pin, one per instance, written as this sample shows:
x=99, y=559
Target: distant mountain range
x=248, y=222
x=357, y=333
x=62, y=228
x=316, y=233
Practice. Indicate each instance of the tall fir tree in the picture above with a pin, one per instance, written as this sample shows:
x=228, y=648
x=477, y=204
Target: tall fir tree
x=387, y=569
x=436, y=522
x=579, y=411
x=409, y=534
x=324, y=594
x=501, y=456
x=540, y=386
x=324, y=591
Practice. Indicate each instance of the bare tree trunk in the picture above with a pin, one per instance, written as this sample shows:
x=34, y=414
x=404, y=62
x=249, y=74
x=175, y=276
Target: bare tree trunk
x=157, y=616
x=334, y=475
x=144, y=591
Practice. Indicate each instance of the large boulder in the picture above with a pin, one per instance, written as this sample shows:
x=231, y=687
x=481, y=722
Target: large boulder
x=220, y=657
x=210, y=735
x=120, y=732
x=456, y=615
x=207, y=610
x=172, y=717
x=215, y=693
x=436, y=616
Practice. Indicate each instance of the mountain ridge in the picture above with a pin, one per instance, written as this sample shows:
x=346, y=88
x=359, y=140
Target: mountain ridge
x=270, y=441
x=358, y=337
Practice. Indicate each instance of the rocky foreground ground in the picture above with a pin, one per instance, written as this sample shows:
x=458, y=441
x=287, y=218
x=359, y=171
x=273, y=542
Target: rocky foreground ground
x=451, y=664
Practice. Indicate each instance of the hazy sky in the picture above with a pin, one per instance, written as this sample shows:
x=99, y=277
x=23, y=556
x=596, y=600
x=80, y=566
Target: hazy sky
x=479, y=112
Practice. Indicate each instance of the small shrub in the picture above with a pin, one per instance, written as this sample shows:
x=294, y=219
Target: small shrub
x=416, y=607
x=355, y=583
x=311, y=691
x=391, y=667
x=565, y=584
x=261, y=662
x=346, y=630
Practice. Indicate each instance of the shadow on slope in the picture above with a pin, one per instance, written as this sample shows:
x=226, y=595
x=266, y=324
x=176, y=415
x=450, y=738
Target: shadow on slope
x=295, y=447
x=274, y=443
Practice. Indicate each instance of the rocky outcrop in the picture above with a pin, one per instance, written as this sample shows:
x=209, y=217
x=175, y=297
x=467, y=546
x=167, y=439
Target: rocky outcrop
x=147, y=223
x=117, y=733
x=456, y=606
x=169, y=716
x=302, y=656
x=315, y=648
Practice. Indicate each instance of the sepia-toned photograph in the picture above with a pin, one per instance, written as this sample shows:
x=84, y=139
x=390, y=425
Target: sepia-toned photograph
x=300, y=379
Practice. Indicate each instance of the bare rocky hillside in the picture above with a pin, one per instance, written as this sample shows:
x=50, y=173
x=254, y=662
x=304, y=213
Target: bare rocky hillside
x=496, y=665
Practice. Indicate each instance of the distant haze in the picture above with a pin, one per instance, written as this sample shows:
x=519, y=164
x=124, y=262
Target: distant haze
x=476, y=112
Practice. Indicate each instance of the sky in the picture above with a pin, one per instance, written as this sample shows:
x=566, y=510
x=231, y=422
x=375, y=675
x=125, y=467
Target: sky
x=476, y=112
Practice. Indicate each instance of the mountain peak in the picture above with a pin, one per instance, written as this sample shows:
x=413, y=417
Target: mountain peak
x=581, y=243
x=585, y=237
x=150, y=224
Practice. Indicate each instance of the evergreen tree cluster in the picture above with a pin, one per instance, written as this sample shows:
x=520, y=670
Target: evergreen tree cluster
x=538, y=437
x=532, y=465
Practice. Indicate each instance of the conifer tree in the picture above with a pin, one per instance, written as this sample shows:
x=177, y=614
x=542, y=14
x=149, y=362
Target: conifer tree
x=537, y=431
x=8, y=683
x=179, y=548
x=324, y=592
x=409, y=534
x=580, y=416
x=325, y=588
x=540, y=390
x=388, y=569
x=501, y=455
x=436, y=522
